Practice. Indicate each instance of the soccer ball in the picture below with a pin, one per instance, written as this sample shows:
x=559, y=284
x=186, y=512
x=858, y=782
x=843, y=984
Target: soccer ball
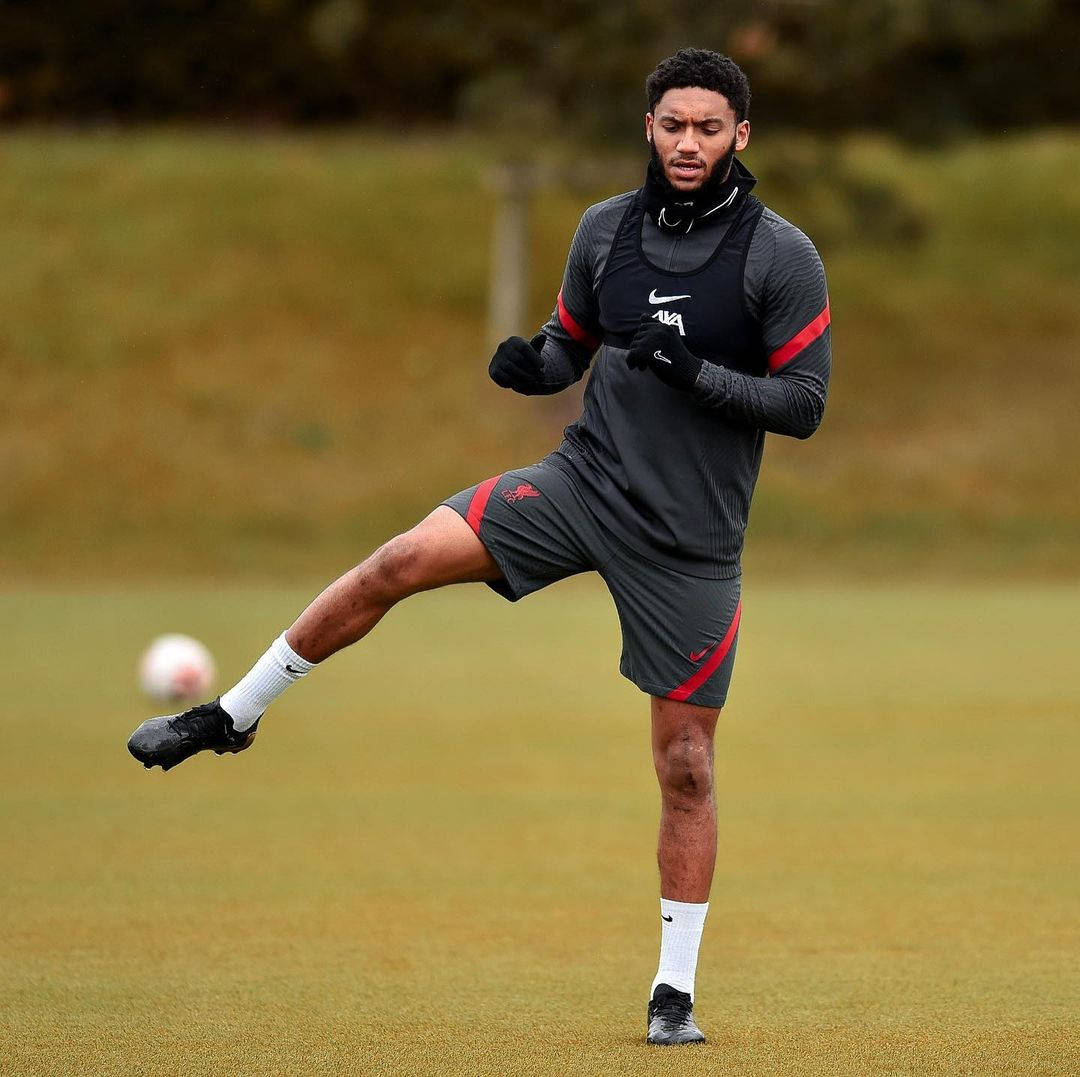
x=176, y=668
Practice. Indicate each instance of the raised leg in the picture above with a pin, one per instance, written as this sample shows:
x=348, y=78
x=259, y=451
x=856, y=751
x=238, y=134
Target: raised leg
x=439, y=550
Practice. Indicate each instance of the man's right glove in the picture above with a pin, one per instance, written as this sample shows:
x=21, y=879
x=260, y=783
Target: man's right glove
x=659, y=348
x=517, y=364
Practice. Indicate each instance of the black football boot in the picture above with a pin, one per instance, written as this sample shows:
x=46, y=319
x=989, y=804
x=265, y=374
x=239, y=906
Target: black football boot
x=671, y=1018
x=168, y=740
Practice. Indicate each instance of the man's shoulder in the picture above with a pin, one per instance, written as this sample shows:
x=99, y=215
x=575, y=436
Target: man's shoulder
x=613, y=207
x=784, y=271
x=784, y=239
x=598, y=226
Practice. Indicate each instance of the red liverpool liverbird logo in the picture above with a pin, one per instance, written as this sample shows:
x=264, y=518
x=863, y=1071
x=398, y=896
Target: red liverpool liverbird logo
x=519, y=493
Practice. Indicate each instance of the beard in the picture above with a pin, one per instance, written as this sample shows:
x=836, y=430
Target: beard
x=677, y=211
x=708, y=189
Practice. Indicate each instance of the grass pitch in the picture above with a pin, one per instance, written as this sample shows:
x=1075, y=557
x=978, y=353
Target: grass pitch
x=438, y=858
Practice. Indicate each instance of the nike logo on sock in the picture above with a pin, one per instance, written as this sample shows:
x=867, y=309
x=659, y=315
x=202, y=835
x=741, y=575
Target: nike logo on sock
x=294, y=672
x=667, y=918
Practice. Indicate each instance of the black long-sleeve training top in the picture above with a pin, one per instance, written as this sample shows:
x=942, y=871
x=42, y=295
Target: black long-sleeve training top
x=671, y=474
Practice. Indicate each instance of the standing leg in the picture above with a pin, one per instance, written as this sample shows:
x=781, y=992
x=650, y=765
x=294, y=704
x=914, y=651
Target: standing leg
x=682, y=743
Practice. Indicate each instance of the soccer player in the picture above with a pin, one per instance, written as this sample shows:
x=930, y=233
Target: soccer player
x=705, y=319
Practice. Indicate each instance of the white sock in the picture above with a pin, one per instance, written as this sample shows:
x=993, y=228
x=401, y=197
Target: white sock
x=268, y=678
x=680, y=936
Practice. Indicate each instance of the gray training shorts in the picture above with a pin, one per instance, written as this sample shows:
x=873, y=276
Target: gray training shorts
x=679, y=632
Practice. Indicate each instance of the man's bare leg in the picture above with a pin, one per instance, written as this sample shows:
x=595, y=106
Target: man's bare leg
x=682, y=743
x=440, y=550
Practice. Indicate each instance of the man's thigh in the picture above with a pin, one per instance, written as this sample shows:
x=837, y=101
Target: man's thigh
x=680, y=632
x=534, y=526
x=442, y=549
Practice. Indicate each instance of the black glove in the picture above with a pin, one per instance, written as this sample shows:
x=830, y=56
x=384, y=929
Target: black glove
x=517, y=364
x=659, y=348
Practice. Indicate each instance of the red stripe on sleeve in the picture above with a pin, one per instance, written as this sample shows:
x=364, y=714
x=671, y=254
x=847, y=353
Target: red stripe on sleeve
x=580, y=334
x=711, y=664
x=479, y=502
x=788, y=351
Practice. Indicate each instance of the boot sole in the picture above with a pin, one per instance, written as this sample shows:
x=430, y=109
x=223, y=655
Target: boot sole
x=167, y=762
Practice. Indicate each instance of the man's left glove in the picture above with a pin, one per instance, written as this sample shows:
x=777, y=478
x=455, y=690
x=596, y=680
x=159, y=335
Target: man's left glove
x=517, y=364
x=659, y=348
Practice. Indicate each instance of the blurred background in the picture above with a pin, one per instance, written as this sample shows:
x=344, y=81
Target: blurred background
x=250, y=256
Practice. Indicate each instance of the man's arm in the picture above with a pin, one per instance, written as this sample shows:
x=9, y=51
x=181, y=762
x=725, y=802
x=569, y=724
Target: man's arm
x=792, y=302
x=561, y=352
x=794, y=311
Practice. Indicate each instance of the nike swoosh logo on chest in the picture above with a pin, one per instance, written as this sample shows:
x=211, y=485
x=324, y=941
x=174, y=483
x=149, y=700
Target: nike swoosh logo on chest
x=654, y=298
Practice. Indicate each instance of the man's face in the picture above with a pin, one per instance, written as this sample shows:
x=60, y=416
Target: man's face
x=694, y=130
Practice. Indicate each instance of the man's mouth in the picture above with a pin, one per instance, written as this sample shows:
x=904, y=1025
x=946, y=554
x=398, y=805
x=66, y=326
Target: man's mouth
x=687, y=170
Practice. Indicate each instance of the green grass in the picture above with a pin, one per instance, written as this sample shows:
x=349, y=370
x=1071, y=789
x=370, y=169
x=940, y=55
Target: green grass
x=233, y=355
x=438, y=858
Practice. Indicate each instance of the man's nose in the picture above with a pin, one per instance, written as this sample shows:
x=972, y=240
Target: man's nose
x=688, y=143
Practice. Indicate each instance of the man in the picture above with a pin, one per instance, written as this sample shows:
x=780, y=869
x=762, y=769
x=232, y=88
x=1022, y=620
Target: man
x=706, y=321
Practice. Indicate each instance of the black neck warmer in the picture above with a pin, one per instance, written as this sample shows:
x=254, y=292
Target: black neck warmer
x=679, y=211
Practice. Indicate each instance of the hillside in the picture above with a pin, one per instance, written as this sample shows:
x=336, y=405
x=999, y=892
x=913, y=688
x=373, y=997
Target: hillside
x=255, y=355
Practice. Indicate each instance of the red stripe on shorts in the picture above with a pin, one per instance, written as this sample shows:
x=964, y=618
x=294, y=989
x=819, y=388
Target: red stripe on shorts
x=711, y=664
x=479, y=502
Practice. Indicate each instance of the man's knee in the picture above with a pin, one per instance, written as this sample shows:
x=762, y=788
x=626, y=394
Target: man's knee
x=442, y=548
x=684, y=767
x=395, y=569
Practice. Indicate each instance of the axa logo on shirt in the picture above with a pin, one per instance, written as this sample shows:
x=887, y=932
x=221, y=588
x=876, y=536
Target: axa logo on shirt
x=669, y=317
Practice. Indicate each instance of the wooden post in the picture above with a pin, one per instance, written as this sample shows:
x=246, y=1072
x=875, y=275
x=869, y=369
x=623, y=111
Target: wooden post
x=513, y=185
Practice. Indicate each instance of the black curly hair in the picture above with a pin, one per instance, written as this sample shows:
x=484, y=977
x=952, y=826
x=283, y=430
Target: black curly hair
x=705, y=68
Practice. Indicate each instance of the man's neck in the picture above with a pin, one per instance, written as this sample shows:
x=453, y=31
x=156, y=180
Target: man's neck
x=679, y=211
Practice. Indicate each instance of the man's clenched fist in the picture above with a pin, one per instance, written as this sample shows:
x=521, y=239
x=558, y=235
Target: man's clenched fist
x=659, y=348
x=517, y=364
